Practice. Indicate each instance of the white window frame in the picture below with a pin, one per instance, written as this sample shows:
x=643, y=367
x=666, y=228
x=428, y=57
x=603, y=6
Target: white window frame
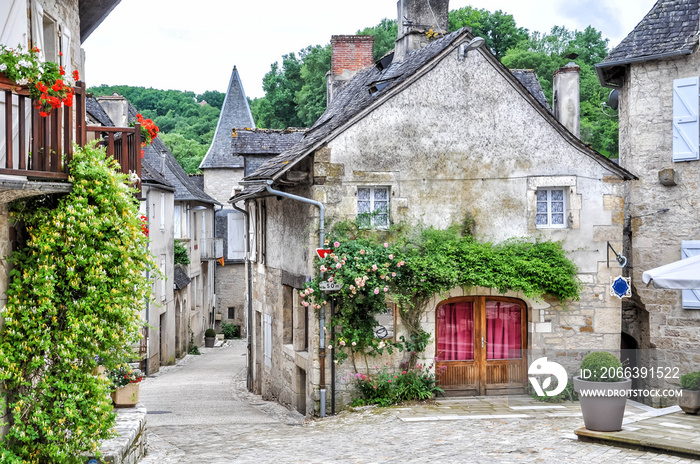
x=372, y=194
x=177, y=215
x=549, y=224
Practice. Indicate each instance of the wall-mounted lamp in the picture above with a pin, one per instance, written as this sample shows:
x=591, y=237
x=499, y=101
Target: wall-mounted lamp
x=473, y=44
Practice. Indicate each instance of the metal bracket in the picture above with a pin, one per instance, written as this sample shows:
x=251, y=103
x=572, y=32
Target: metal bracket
x=621, y=260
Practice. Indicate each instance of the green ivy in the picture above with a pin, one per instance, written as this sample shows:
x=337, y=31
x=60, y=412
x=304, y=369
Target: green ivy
x=76, y=291
x=411, y=264
x=180, y=253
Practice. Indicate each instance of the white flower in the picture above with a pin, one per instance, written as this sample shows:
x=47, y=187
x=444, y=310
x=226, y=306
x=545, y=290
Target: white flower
x=23, y=81
x=16, y=65
x=3, y=66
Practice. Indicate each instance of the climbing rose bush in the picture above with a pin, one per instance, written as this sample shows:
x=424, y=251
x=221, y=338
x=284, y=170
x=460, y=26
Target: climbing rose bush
x=75, y=295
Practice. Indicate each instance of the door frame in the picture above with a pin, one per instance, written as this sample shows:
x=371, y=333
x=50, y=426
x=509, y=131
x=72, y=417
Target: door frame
x=480, y=364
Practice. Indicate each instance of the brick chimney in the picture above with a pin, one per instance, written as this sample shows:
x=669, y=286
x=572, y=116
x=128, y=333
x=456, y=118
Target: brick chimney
x=566, y=100
x=415, y=20
x=349, y=54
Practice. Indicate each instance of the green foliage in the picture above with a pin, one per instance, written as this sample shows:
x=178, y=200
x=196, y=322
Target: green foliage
x=498, y=28
x=194, y=349
x=210, y=333
x=180, y=253
x=569, y=394
x=277, y=110
x=601, y=366
x=186, y=127
x=311, y=98
x=690, y=381
x=124, y=375
x=386, y=387
x=230, y=330
x=414, y=264
x=385, y=34
x=75, y=295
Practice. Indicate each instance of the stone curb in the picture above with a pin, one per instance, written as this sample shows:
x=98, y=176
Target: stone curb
x=130, y=443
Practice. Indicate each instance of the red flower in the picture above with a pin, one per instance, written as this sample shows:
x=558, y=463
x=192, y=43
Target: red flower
x=35, y=50
x=76, y=75
x=61, y=71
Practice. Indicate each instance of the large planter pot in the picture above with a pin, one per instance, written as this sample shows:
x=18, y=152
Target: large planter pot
x=126, y=396
x=209, y=342
x=603, y=407
x=689, y=401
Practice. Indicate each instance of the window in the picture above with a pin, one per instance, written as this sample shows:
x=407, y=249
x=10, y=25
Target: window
x=178, y=221
x=551, y=212
x=686, y=132
x=691, y=298
x=287, y=315
x=231, y=312
x=235, y=246
x=187, y=218
x=373, y=206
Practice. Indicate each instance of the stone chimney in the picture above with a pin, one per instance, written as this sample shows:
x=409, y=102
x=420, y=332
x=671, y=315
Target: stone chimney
x=415, y=20
x=349, y=54
x=116, y=107
x=565, y=100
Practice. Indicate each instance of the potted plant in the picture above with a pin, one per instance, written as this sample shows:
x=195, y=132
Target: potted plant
x=209, y=338
x=125, y=381
x=602, y=391
x=689, y=401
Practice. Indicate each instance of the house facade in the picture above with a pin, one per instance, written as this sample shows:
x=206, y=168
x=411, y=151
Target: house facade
x=654, y=72
x=437, y=132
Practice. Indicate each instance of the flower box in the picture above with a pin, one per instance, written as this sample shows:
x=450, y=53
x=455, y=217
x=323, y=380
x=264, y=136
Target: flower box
x=126, y=396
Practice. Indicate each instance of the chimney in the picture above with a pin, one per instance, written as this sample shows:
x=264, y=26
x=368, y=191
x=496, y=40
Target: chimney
x=349, y=54
x=116, y=107
x=565, y=99
x=416, y=18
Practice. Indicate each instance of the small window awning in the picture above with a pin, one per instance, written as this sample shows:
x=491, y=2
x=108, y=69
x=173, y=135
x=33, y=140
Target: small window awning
x=683, y=274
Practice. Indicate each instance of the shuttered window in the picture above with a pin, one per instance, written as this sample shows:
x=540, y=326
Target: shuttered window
x=13, y=28
x=691, y=298
x=235, y=240
x=177, y=216
x=686, y=131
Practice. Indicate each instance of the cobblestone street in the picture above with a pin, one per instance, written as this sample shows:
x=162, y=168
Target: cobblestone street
x=199, y=412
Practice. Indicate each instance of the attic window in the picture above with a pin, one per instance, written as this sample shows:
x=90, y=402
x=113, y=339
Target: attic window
x=385, y=62
x=377, y=86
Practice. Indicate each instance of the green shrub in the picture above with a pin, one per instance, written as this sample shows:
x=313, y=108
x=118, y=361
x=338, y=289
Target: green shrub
x=567, y=395
x=690, y=381
x=181, y=256
x=601, y=366
x=386, y=388
x=230, y=330
x=210, y=333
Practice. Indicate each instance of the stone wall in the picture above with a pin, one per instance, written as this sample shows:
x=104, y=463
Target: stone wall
x=657, y=320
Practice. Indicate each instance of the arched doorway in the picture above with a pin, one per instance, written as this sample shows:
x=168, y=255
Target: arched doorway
x=480, y=345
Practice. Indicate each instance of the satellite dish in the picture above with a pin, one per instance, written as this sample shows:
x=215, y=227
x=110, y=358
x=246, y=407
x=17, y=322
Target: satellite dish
x=614, y=99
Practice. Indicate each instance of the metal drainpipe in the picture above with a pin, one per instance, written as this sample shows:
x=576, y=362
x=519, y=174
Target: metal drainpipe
x=249, y=375
x=322, y=313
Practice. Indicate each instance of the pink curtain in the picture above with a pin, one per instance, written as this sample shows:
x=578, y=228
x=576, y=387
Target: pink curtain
x=503, y=330
x=455, y=332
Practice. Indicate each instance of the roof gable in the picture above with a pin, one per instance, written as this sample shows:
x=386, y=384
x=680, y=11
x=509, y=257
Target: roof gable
x=669, y=29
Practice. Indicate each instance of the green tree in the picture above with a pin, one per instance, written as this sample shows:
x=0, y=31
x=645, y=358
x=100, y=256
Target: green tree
x=385, y=34
x=281, y=85
x=498, y=28
x=213, y=98
x=189, y=153
x=311, y=98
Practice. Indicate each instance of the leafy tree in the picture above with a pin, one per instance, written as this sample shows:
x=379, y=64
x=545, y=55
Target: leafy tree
x=498, y=28
x=281, y=86
x=213, y=98
x=384, y=33
x=189, y=153
x=311, y=98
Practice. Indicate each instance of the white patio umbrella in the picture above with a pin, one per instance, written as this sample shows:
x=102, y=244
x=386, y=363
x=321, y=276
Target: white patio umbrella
x=683, y=274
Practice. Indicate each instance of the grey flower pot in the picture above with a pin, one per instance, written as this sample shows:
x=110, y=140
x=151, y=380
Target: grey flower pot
x=209, y=342
x=602, y=413
x=689, y=401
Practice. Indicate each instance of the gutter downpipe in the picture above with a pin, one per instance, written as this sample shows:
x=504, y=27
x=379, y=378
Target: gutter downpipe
x=249, y=374
x=322, y=313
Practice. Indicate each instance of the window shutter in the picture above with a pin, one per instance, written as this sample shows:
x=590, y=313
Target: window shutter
x=13, y=29
x=65, y=49
x=236, y=236
x=691, y=298
x=38, y=28
x=686, y=131
x=177, y=216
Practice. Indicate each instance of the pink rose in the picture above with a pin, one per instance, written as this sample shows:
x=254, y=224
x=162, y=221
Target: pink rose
x=306, y=304
x=336, y=244
x=386, y=245
x=376, y=292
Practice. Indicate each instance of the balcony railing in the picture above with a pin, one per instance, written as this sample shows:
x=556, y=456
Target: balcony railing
x=39, y=147
x=211, y=248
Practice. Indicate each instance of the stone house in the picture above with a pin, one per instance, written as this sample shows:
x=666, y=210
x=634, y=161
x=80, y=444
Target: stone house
x=177, y=210
x=654, y=74
x=237, y=149
x=438, y=130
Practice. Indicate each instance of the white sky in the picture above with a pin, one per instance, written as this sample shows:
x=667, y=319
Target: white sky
x=185, y=45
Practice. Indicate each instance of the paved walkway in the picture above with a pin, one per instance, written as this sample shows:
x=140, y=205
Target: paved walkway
x=199, y=412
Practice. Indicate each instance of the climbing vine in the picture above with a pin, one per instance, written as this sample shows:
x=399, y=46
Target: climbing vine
x=75, y=294
x=411, y=264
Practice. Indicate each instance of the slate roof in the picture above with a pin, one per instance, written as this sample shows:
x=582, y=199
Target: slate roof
x=369, y=86
x=185, y=189
x=669, y=29
x=235, y=113
x=197, y=180
x=152, y=175
x=180, y=277
x=528, y=78
x=93, y=107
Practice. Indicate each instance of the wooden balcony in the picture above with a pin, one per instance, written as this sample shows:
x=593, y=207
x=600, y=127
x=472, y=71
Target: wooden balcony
x=41, y=148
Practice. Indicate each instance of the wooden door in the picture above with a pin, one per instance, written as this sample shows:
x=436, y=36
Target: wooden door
x=480, y=343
